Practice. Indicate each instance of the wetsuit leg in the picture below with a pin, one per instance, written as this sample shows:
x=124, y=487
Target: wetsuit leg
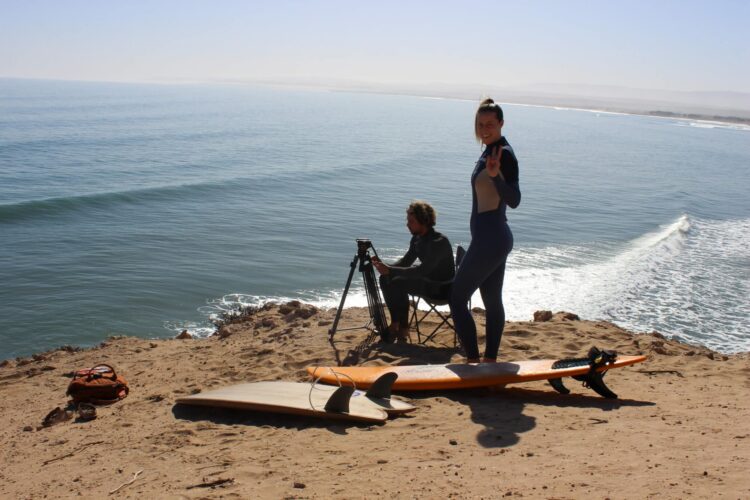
x=396, y=294
x=469, y=277
x=492, y=296
x=483, y=267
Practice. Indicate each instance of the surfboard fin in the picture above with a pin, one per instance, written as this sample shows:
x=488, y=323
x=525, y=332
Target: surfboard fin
x=381, y=388
x=339, y=400
x=595, y=381
x=557, y=383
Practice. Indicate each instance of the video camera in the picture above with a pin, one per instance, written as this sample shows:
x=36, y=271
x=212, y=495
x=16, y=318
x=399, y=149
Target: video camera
x=364, y=246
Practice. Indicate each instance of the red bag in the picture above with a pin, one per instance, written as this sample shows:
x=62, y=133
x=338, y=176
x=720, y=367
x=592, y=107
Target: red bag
x=99, y=385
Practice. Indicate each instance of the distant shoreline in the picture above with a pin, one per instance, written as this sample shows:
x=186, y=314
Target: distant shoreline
x=692, y=116
x=732, y=120
x=593, y=103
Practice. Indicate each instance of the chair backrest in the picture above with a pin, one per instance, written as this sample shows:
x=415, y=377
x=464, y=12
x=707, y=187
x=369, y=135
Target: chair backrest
x=460, y=252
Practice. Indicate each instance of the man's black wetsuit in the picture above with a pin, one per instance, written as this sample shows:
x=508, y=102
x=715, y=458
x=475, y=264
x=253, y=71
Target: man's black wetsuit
x=431, y=278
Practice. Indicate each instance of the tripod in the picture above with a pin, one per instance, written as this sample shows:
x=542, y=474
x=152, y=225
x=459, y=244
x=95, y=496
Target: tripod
x=374, y=303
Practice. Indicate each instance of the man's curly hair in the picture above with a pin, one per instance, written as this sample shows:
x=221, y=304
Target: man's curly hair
x=423, y=212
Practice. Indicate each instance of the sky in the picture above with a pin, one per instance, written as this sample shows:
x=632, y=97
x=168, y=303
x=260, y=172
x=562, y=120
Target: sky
x=686, y=45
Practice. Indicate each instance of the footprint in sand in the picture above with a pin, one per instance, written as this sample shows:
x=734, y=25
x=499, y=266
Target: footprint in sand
x=520, y=333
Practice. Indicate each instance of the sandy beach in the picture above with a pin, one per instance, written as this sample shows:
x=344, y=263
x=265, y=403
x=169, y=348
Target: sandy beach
x=681, y=427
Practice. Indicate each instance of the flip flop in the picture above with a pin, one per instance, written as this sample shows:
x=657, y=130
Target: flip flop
x=56, y=416
x=86, y=412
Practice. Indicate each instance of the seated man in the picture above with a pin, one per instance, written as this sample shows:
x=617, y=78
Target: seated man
x=431, y=278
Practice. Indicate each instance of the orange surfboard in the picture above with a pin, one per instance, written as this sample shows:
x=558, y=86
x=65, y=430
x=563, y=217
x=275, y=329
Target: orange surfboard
x=463, y=376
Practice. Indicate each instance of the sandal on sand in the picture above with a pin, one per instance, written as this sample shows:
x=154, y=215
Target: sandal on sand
x=86, y=412
x=56, y=416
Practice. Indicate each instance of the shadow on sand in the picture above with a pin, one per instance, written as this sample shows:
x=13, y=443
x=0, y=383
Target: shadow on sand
x=230, y=416
x=500, y=410
x=397, y=354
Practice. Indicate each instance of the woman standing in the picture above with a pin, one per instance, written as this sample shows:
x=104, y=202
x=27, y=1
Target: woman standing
x=494, y=185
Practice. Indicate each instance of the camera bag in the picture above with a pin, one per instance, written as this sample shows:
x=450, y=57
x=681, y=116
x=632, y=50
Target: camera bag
x=98, y=385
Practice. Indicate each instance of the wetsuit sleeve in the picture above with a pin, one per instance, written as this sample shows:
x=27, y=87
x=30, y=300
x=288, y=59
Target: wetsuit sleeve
x=408, y=258
x=507, y=183
x=434, y=253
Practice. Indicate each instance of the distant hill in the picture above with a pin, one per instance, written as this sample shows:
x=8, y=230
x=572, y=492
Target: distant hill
x=731, y=107
x=725, y=106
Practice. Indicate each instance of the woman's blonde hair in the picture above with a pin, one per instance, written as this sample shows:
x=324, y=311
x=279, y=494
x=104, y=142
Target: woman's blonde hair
x=423, y=212
x=487, y=106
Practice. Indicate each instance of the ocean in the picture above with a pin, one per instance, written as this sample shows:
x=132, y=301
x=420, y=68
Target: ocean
x=134, y=209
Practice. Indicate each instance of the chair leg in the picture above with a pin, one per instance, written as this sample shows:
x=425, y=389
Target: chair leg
x=447, y=320
x=414, y=318
x=444, y=320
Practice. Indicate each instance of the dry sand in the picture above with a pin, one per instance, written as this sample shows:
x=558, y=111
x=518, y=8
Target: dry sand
x=681, y=427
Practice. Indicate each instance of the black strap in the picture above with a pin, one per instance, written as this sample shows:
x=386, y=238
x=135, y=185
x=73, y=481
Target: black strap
x=599, y=358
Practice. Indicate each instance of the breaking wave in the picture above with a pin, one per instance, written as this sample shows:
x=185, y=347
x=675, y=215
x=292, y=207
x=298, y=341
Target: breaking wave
x=688, y=279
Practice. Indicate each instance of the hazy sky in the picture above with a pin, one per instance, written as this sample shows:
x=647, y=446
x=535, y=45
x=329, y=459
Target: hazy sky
x=658, y=44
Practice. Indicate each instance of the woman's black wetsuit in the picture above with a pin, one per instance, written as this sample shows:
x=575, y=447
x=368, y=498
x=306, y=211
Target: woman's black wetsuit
x=483, y=266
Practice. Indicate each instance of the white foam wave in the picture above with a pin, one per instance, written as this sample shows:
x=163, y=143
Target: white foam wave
x=193, y=328
x=689, y=279
x=234, y=301
x=584, y=288
x=714, y=125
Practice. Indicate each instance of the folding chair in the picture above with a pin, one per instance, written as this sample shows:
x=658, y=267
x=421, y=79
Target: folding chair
x=432, y=304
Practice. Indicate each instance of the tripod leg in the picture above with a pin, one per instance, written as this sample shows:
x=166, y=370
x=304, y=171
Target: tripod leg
x=332, y=330
x=374, y=303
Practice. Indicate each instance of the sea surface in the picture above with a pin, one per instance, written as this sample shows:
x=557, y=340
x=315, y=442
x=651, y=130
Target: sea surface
x=130, y=209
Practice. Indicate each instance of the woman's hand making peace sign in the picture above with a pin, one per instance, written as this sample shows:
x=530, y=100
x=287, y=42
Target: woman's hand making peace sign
x=493, y=162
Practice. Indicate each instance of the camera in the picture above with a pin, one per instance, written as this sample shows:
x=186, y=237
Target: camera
x=363, y=245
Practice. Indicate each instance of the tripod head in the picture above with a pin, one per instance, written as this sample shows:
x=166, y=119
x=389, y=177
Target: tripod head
x=363, y=245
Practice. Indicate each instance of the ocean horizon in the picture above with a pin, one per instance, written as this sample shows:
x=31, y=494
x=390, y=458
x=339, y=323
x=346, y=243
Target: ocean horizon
x=137, y=209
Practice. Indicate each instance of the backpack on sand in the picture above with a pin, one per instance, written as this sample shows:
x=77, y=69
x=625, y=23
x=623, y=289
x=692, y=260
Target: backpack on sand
x=99, y=385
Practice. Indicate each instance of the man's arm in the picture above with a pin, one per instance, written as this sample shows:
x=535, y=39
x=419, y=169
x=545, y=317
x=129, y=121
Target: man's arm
x=403, y=263
x=434, y=253
x=409, y=257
